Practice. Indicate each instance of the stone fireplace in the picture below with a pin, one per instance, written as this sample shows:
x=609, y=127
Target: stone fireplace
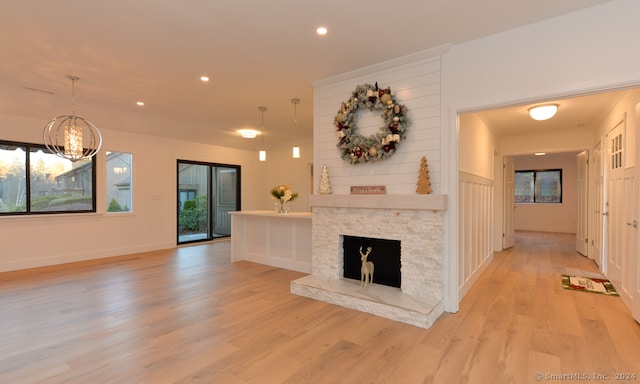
x=416, y=221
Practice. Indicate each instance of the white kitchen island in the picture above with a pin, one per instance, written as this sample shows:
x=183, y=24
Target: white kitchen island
x=266, y=237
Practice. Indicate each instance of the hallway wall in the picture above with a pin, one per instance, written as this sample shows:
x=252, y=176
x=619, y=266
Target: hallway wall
x=560, y=217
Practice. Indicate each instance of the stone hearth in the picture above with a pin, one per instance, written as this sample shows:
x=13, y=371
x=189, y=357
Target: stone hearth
x=417, y=221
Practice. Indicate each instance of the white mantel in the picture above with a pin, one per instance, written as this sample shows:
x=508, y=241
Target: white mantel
x=413, y=202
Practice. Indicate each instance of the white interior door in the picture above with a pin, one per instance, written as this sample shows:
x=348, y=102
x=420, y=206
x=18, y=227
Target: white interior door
x=621, y=206
x=596, y=205
x=612, y=207
x=582, y=232
x=508, y=236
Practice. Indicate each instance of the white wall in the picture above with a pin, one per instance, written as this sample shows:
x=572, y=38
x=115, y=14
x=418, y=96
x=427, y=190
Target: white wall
x=592, y=49
x=284, y=169
x=475, y=200
x=52, y=239
x=477, y=147
x=560, y=217
x=568, y=140
x=415, y=81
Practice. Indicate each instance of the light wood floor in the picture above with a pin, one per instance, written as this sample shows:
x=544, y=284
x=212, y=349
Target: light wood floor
x=188, y=315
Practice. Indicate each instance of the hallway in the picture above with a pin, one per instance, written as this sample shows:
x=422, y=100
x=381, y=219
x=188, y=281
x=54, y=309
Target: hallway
x=535, y=325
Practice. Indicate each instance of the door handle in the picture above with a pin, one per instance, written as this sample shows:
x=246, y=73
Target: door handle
x=634, y=224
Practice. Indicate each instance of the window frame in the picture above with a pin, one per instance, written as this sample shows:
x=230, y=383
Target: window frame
x=535, y=173
x=211, y=204
x=33, y=147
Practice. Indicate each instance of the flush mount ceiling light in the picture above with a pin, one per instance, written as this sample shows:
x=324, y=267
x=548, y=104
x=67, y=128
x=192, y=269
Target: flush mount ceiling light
x=263, y=154
x=543, y=112
x=321, y=31
x=248, y=133
x=72, y=137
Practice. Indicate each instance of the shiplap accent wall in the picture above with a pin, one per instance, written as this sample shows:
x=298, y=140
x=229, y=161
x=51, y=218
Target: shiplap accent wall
x=416, y=82
x=475, y=218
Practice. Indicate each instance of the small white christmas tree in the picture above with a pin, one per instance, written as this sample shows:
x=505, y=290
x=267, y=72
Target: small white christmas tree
x=325, y=186
x=424, y=181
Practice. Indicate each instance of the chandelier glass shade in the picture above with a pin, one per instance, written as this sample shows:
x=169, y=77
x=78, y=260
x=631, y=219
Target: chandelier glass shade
x=72, y=137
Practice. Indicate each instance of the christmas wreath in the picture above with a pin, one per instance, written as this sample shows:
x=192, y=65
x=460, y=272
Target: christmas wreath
x=359, y=149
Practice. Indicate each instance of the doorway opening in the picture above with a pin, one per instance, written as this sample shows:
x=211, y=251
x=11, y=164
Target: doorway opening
x=207, y=192
x=486, y=138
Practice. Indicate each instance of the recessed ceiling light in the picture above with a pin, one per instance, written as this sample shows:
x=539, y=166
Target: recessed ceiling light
x=248, y=133
x=540, y=153
x=204, y=79
x=140, y=103
x=321, y=31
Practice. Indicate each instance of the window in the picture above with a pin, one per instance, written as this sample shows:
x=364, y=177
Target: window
x=34, y=181
x=539, y=186
x=119, y=169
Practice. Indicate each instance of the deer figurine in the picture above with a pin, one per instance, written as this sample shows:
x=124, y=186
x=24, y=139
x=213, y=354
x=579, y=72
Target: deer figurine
x=366, y=271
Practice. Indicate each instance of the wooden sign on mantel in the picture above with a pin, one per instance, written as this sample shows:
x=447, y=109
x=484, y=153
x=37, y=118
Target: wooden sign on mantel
x=369, y=190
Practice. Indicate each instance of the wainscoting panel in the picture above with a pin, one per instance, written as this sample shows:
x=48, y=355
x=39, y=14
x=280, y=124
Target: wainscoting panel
x=475, y=246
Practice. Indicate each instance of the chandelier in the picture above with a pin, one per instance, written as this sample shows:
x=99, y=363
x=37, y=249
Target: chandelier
x=72, y=137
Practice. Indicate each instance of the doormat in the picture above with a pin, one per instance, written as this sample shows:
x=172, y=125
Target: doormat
x=588, y=284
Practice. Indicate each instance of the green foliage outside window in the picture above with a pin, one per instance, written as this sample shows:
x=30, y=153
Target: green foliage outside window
x=59, y=203
x=194, y=213
x=114, y=206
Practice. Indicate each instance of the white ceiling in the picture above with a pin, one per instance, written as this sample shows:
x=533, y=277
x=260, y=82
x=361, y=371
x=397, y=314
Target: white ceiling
x=257, y=53
x=583, y=112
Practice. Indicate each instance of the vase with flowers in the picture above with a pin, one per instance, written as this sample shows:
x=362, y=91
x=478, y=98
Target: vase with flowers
x=283, y=195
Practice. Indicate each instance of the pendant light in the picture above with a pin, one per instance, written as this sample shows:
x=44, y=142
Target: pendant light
x=263, y=153
x=296, y=149
x=72, y=137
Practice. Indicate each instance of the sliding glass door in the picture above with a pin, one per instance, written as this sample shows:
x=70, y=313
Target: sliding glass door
x=207, y=192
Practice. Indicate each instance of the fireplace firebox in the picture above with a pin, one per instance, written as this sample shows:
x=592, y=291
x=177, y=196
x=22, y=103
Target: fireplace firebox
x=385, y=255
